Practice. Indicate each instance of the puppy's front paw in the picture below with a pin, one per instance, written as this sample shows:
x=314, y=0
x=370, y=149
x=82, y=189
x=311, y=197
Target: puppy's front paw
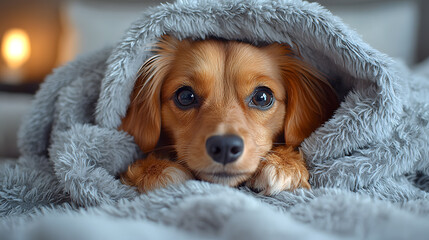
x=280, y=171
x=152, y=173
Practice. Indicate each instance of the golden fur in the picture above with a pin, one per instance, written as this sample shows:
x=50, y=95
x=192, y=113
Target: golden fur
x=223, y=74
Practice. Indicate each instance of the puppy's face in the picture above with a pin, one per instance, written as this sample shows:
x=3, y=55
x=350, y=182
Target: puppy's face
x=223, y=104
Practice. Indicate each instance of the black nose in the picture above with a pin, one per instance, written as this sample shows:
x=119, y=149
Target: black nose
x=224, y=148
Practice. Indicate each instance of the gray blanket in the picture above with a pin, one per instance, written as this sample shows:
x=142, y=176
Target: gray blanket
x=369, y=164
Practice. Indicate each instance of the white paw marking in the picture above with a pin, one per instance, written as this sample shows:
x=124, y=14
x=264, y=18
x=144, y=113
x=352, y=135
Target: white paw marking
x=271, y=180
x=174, y=175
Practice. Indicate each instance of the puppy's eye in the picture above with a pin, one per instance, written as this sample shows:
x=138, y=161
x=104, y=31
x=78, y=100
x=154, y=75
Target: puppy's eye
x=185, y=98
x=262, y=98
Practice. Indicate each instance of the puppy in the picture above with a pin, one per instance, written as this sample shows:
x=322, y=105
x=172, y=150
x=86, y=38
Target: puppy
x=224, y=112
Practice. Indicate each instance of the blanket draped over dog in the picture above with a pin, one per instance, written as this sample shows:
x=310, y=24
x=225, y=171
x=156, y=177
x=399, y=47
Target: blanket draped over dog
x=369, y=163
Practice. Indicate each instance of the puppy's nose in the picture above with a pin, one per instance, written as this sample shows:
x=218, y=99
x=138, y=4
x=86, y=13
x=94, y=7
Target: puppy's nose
x=224, y=148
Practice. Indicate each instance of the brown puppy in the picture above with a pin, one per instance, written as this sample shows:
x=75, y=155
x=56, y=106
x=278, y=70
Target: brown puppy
x=224, y=107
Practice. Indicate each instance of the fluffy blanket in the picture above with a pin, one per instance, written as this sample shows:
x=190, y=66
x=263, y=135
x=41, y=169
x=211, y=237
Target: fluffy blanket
x=369, y=164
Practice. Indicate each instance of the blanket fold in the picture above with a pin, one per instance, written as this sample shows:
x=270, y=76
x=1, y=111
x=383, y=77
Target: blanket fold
x=369, y=163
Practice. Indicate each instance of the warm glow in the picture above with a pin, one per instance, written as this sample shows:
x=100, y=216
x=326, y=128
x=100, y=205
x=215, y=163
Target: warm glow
x=15, y=48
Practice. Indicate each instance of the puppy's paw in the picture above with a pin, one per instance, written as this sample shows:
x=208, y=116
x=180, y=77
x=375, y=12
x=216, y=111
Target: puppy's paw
x=152, y=173
x=280, y=171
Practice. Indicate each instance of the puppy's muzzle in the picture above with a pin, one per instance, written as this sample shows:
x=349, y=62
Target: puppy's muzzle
x=225, y=149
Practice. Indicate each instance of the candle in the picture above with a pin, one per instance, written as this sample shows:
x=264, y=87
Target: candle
x=15, y=51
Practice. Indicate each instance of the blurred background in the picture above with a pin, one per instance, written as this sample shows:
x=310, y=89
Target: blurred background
x=39, y=35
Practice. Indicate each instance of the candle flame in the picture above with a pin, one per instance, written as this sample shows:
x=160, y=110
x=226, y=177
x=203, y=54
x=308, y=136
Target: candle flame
x=15, y=48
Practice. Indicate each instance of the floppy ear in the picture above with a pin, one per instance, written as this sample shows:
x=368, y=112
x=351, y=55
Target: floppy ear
x=143, y=117
x=311, y=100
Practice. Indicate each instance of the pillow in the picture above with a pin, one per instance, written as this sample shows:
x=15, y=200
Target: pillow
x=91, y=25
x=389, y=26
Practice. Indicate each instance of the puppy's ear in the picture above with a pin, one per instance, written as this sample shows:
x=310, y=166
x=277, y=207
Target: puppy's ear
x=143, y=118
x=311, y=100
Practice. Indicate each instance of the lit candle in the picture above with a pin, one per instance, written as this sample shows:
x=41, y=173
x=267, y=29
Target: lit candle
x=15, y=52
